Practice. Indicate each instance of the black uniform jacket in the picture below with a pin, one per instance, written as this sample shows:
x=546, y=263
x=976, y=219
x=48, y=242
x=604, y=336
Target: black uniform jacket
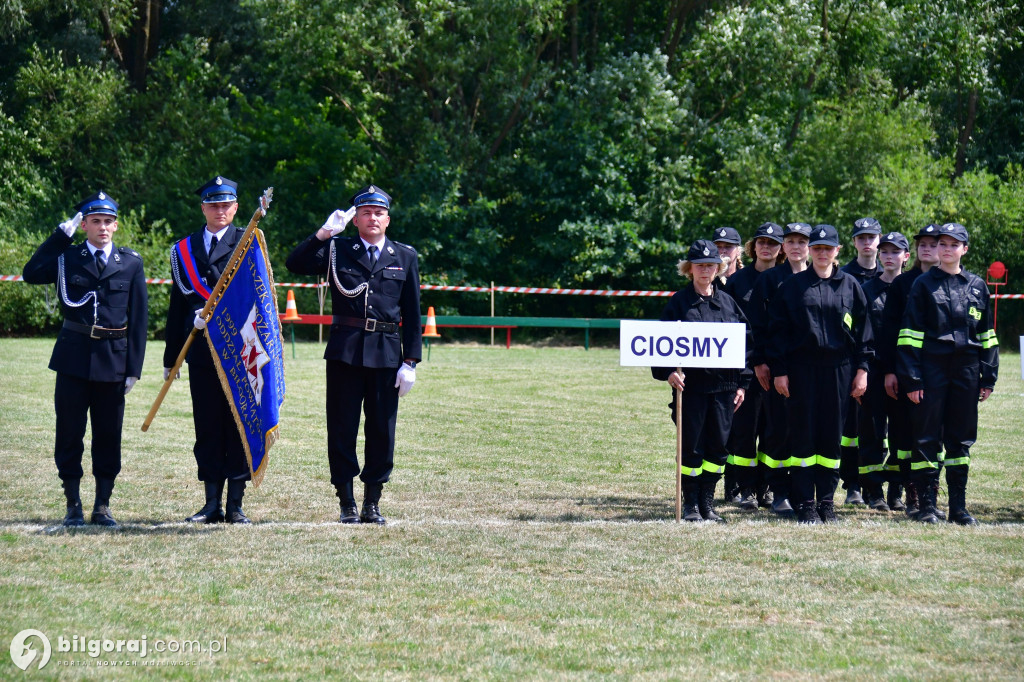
x=876, y=290
x=689, y=306
x=861, y=274
x=741, y=287
x=819, y=321
x=947, y=314
x=181, y=312
x=391, y=294
x=122, y=303
x=759, y=308
x=892, y=319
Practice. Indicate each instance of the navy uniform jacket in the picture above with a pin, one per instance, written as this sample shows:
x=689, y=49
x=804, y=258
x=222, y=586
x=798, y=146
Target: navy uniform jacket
x=741, y=287
x=819, y=321
x=689, y=306
x=121, y=298
x=892, y=319
x=876, y=290
x=947, y=314
x=860, y=274
x=391, y=294
x=759, y=306
x=181, y=312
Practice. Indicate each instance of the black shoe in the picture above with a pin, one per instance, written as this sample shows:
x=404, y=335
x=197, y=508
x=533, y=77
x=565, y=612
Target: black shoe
x=211, y=511
x=748, y=501
x=238, y=516
x=827, y=512
x=939, y=514
x=233, y=505
x=782, y=507
x=807, y=514
x=853, y=496
x=371, y=514
x=101, y=516
x=74, y=516
x=894, y=499
x=874, y=498
x=962, y=517
x=349, y=514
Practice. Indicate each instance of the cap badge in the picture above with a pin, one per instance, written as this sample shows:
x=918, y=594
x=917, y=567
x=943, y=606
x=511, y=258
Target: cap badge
x=949, y=228
x=822, y=233
x=102, y=196
x=706, y=252
x=770, y=230
x=929, y=228
x=892, y=235
x=722, y=233
x=219, y=180
x=371, y=189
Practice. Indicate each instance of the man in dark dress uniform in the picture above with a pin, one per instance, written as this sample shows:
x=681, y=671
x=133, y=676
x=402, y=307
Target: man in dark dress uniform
x=375, y=299
x=197, y=262
x=99, y=351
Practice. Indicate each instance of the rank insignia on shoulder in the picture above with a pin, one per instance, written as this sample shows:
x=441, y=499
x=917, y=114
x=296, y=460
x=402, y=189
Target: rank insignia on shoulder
x=117, y=257
x=355, y=247
x=84, y=251
x=391, y=251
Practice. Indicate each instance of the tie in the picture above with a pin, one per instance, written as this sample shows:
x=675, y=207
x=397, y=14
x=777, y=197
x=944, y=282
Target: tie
x=101, y=260
x=213, y=245
x=373, y=256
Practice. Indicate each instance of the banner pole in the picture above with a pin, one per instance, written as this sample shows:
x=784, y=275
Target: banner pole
x=679, y=455
x=236, y=257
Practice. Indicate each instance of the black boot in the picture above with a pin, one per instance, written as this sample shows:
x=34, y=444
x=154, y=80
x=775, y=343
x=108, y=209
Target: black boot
x=913, y=503
x=748, y=500
x=370, y=512
x=874, y=497
x=211, y=511
x=807, y=513
x=957, y=482
x=939, y=514
x=893, y=499
x=347, y=500
x=101, y=509
x=764, y=496
x=706, y=502
x=691, y=506
x=827, y=512
x=233, y=508
x=74, y=516
x=732, y=492
x=853, y=495
x=926, y=496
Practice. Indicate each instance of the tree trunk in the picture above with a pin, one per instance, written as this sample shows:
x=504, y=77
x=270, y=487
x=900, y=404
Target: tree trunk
x=966, y=132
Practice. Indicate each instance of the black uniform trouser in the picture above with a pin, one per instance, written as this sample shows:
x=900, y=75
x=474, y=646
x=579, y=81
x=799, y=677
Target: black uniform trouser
x=351, y=390
x=775, y=446
x=76, y=401
x=817, y=410
x=707, y=418
x=875, y=411
x=748, y=432
x=901, y=437
x=218, y=449
x=849, y=450
x=947, y=415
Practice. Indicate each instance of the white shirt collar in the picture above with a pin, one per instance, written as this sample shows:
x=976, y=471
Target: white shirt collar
x=379, y=245
x=207, y=236
x=106, y=249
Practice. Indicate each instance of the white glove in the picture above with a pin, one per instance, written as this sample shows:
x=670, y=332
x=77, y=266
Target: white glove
x=128, y=383
x=199, y=323
x=167, y=373
x=337, y=221
x=70, y=225
x=405, y=379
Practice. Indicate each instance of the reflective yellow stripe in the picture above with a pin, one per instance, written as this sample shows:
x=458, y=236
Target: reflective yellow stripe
x=871, y=468
x=942, y=455
x=987, y=334
x=892, y=467
x=909, y=337
x=958, y=461
x=848, y=321
x=904, y=341
x=910, y=333
x=738, y=461
x=775, y=463
x=848, y=442
x=713, y=468
x=903, y=454
x=990, y=343
x=797, y=462
x=924, y=465
x=687, y=471
x=823, y=461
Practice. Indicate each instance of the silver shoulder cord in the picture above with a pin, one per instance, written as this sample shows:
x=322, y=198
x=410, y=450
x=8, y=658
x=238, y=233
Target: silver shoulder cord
x=176, y=273
x=351, y=293
x=63, y=289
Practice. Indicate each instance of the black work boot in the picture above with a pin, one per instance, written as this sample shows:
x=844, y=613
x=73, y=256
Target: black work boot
x=706, y=502
x=926, y=497
x=875, y=498
x=939, y=514
x=101, y=509
x=691, y=506
x=893, y=499
x=807, y=513
x=233, y=507
x=913, y=503
x=370, y=512
x=764, y=496
x=74, y=516
x=827, y=512
x=731, y=491
x=347, y=500
x=211, y=511
x=957, y=482
x=748, y=500
x=853, y=495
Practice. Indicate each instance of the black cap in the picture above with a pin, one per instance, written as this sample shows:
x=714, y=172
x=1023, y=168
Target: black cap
x=769, y=231
x=371, y=195
x=954, y=230
x=824, y=234
x=797, y=228
x=729, y=235
x=896, y=239
x=929, y=230
x=703, y=251
x=218, y=190
x=97, y=203
x=866, y=226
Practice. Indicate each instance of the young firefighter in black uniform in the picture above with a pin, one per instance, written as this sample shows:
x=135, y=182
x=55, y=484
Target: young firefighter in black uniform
x=750, y=421
x=877, y=409
x=375, y=285
x=775, y=444
x=728, y=241
x=710, y=396
x=863, y=267
x=99, y=351
x=926, y=245
x=218, y=450
x=948, y=363
x=819, y=351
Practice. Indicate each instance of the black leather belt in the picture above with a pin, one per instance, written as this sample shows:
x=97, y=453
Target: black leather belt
x=369, y=324
x=94, y=332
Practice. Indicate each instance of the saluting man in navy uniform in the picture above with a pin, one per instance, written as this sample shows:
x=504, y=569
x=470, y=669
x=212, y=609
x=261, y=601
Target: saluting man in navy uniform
x=197, y=262
x=99, y=351
x=371, y=359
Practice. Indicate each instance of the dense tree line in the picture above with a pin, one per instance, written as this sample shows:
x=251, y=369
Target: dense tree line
x=534, y=142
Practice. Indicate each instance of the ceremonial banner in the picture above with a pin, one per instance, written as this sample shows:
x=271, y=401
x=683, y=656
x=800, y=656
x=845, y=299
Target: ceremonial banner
x=244, y=333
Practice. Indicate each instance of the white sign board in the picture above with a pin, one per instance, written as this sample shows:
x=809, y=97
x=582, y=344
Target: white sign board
x=645, y=343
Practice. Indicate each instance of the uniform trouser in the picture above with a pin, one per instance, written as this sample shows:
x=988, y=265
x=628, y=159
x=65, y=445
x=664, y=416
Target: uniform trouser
x=901, y=438
x=707, y=418
x=875, y=411
x=774, y=448
x=947, y=415
x=817, y=410
x=75, y=401
x=350, y=390
x=218, y=449
x=849, y=451
x=748, y=429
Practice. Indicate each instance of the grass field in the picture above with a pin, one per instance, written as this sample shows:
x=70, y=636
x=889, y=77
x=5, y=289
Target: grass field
x=531, y=536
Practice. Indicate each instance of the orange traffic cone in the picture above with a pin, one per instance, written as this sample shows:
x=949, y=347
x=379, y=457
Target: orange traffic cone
x=430, y=330
x=291, y=313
